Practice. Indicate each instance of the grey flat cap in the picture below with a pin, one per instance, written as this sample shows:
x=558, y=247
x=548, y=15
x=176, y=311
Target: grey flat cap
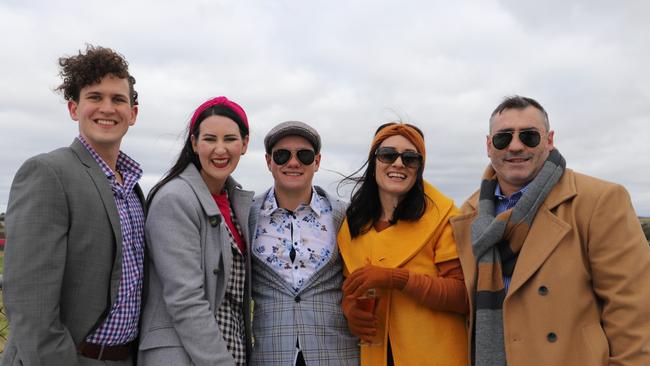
x=292, y=128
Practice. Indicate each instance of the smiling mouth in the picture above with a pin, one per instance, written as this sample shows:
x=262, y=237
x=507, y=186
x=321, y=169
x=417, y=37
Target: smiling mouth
x=517, y=160
x=105, y=122
x=220, y=163
x=292, y=174
x=395, y=175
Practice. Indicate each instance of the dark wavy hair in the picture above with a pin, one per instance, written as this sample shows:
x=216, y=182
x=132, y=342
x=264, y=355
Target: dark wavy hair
x=86, y=69
x=365, y=208
x=187, y=155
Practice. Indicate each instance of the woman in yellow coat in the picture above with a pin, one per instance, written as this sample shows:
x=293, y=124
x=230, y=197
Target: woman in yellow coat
x=397, y=241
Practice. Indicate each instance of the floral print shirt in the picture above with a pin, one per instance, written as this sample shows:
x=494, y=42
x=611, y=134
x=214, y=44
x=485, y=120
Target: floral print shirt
x=296, y=244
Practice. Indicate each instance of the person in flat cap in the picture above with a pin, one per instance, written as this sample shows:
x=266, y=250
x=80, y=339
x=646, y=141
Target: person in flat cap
x=297, y=269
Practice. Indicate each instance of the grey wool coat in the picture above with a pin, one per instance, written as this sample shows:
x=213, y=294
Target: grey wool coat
x=312, y=315
x=191, y=260
x=63, y=257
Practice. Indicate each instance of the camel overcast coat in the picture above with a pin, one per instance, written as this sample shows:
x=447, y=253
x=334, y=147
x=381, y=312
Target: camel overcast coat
x=580, y=292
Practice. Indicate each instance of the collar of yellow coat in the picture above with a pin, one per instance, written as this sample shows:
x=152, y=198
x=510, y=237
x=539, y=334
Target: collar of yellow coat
x=397, y=244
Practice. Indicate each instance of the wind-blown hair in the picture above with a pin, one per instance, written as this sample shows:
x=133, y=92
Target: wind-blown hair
x=365, y=207
x=187, y=155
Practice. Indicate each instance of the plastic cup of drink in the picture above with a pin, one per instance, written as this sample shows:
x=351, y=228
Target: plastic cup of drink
x=368, y=302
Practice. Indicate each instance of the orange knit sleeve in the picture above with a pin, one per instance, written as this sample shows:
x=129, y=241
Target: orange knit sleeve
x=446, y=292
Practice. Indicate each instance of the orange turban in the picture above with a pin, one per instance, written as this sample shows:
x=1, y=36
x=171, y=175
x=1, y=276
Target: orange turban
x=404, y=130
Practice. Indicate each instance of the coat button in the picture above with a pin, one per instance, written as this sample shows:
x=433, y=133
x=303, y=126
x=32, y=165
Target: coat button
x=297, y=298
x=551, y=337
x=543, y=290
x=215, y=271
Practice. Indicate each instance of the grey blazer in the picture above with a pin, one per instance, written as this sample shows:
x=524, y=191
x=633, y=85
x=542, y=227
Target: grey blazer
x=190, y=265
x=312, y=315
x=63, y=256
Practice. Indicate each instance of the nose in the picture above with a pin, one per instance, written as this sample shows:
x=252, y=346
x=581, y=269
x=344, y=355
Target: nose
x=398, y=162
x=219, y=147
x=293, y=160
x=106, y=105
x=515, y=143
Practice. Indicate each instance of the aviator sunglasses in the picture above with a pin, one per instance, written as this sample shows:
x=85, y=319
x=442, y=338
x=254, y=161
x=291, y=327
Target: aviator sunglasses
x=282, y=156
x=388, y=155
x=530, y=138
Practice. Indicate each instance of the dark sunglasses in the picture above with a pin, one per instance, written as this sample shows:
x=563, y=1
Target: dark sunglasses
x=282, y=156
x=530, y=138
x=388, y=155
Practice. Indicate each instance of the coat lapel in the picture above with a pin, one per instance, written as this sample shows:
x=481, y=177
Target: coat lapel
x=545, y=233
x=462, y=228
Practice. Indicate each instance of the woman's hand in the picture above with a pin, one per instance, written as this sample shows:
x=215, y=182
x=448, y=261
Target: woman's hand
x=362, y=324
x=370, y=276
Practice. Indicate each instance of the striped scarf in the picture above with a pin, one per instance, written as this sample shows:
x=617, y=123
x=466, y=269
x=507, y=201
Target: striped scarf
x=496, y=242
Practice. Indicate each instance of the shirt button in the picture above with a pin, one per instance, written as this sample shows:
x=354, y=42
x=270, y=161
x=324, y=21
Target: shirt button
x=297, y=298
x=543, y=290
x=551, y=337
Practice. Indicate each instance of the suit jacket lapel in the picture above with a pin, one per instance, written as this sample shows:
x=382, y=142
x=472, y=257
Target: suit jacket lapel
x=106, y=194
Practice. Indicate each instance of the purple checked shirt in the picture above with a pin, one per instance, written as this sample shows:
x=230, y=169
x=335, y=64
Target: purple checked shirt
x=121, y=325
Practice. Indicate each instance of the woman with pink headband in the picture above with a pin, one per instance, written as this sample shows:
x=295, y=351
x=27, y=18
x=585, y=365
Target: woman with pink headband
x=199, y=264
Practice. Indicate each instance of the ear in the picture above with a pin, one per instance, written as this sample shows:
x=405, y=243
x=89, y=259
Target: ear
x=134, y=114
x=245, y=144
x=268, y=161
x=488, y=145
x=549, y=140
x=72, y=108
x=316, y=162
x=193, y=139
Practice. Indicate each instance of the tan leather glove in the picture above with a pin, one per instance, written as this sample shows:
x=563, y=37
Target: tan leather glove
x=361, y=323
x=370, y=276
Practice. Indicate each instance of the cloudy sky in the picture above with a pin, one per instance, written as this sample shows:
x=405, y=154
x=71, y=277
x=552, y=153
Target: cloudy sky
x=345, y=67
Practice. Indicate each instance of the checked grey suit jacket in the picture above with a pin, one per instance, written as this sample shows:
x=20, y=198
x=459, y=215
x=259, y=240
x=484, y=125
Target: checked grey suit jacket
x=312, y=315
x=63, y=256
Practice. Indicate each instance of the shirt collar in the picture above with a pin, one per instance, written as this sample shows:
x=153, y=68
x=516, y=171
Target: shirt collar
x=500, y=196
x=129, y=168
x=317, y=204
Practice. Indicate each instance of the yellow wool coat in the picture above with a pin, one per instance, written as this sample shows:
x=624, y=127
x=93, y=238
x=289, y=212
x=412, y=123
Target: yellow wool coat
x=580, y=292
x=418, y=334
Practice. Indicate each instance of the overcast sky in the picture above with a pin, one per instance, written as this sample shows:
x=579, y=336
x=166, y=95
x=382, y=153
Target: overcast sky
x=345, y=67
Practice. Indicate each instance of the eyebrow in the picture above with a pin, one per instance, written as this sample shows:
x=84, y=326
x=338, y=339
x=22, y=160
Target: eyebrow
x=394, y=148
x=514, y=129
x=94, y=92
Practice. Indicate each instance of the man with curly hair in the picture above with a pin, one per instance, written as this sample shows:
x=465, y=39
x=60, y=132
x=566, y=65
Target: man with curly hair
x=74, y=252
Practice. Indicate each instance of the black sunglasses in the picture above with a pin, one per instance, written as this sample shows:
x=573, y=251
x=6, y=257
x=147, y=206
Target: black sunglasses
x=530, y=138
x=388, y=155
x=282, y=156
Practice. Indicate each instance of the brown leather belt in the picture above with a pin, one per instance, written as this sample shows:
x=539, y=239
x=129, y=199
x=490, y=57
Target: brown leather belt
x=105, y=353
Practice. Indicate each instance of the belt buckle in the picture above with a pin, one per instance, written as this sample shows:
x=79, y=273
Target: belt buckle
x=101, y=352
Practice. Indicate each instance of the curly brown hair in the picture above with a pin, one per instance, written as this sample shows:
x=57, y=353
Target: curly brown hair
x=86, y=69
